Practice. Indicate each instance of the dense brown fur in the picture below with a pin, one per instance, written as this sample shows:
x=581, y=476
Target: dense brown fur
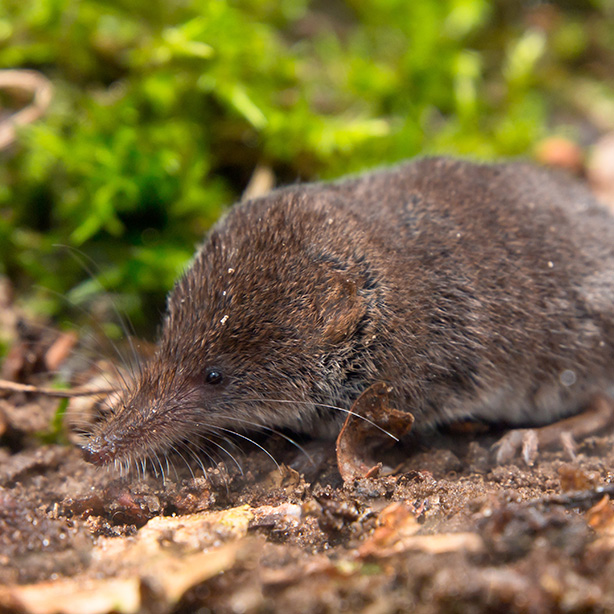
x=475, y=290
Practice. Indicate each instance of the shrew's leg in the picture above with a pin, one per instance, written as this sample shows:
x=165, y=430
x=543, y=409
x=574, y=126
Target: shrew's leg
x=598, y=415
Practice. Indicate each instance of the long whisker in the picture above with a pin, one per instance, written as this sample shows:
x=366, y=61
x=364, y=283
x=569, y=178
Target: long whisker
x=269, y=429
x=176, y=449
x=172, y=464
x=335, y=407
x=220, y=462
x=155, y=455
x=195, y=456
x=168, y=469
x=89, y=361
x=82, y=259
x=114, y=346
x=223, y=449
x=237, y=434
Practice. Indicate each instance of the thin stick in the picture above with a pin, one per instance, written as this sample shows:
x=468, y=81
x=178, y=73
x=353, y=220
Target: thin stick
x=41, y=91
x=51, y=392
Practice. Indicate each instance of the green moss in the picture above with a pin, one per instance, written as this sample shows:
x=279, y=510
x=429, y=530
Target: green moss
x=56, y=433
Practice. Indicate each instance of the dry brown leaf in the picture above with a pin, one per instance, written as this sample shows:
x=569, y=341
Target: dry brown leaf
x=371, y=426
x=188, y=533
x=573, y=478
x=560, y=152
x=397, y=533
x=430, y=544
x=601, y=516
x=60, y=350
x=166, y=554
x=397, y=521
x=284, y=515
x=75, y=596
x=171, y=575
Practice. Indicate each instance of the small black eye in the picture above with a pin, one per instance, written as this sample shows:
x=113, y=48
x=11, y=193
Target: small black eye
x=213, y=376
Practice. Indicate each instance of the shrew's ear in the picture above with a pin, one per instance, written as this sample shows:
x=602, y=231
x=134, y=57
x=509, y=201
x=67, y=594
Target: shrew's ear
x=342, y=309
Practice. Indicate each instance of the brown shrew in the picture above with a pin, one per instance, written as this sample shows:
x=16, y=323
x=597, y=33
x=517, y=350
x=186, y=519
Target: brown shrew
x=475, y=290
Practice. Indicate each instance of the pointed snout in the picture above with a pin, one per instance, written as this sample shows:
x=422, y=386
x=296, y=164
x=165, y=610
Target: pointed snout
x=99, y=451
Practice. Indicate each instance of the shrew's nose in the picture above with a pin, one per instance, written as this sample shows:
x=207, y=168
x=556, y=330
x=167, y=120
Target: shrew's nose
x=98, y=451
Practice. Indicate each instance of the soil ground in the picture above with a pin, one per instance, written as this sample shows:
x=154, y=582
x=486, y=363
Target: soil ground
x=442, y=528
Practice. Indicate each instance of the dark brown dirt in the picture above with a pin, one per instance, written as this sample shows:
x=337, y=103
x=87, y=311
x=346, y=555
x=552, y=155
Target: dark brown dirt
x=466, y=536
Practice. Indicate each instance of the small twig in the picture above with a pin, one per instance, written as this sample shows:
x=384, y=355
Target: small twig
x=51, y=392
x=41, y=91
x=261, y=182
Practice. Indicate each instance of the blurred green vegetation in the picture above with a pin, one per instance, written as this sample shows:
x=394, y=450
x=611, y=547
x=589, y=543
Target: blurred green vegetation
x=163, y=108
